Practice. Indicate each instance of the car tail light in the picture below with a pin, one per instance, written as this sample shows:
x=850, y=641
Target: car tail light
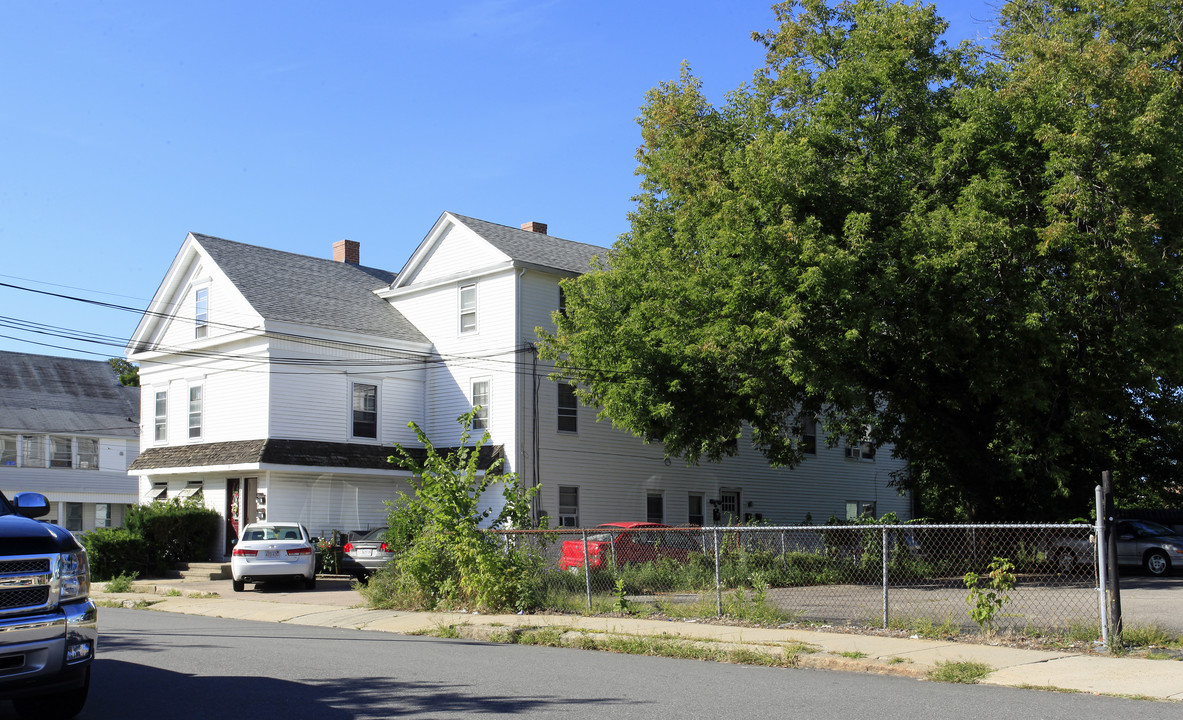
x=383, y=548
x=300, y=551
x=240, y=552
x=348, y=547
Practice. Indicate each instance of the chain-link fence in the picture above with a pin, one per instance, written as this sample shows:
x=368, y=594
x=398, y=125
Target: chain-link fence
x=883, y=575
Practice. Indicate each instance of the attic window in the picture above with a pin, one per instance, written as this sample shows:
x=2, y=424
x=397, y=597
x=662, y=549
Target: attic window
x=201, y=313
x=468, y=309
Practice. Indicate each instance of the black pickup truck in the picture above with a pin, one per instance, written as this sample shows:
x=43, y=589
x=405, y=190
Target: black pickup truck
x=48, y=623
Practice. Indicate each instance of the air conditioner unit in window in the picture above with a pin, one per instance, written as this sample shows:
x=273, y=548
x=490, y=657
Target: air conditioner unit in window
x=568, y=521
x=83, y=464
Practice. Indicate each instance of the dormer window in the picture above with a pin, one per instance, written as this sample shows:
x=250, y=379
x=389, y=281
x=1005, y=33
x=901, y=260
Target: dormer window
x=468, y=309
x=201, y=313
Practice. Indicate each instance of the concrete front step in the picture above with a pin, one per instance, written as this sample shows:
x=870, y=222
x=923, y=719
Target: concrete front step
x=203, y=571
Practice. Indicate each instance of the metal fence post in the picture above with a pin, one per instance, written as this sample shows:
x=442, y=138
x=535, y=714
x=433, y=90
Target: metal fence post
x=587, y=571
x=718, y=577
x=1102, y=559
x=884, y=578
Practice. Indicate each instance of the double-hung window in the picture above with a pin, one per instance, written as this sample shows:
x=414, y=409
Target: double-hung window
x=160, y=416
x=195, y=411
x=655, y=508
x=568, y=408
x=809, y=435
x=201, y=313
x=365, y=410
x=695, y=515
x=74, y=517
x=481, y=397
x=568, y=506
x=468, y=309
x=862, y=448
x=61, y=452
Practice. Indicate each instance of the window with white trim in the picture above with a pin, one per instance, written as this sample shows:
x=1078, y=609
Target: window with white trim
x=655, y=508
x=195, y=411
x=74, y=517
x=857, y=509
x=102, y=515
x=88, y=453
x=33, y=451
x=562, y=301
x=160, y=416
x=863, y=449
x=809, y=435
x=568, y=506
x=468, y=305
x=695, y=515
x=568, y=408
x=481, y=399
x=201, y=313
x=61, y=452
x=365, y=410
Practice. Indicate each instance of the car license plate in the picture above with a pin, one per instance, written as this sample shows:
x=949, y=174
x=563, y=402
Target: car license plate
x=363, y=552
x=270, y=553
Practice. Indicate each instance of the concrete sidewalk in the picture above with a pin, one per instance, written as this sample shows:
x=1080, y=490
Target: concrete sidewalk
x=335, y=604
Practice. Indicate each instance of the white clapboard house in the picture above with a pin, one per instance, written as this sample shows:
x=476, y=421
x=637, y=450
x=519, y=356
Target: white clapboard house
x=68, y=430
x=274, y=385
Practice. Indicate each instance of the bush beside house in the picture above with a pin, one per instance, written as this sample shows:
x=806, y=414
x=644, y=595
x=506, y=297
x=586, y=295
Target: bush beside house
x=154, y=537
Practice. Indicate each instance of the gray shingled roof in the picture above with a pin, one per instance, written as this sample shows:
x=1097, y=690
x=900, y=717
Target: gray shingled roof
x=42, y=393
x=287, y=287
x=304, y=453
x=535, y=248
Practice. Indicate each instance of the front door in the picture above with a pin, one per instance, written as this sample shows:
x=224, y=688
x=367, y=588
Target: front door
x=729, y=507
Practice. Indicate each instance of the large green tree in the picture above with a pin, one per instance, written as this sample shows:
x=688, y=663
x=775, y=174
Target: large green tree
x=974, y=250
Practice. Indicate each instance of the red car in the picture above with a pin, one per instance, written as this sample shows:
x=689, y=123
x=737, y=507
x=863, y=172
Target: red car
x=628, y=542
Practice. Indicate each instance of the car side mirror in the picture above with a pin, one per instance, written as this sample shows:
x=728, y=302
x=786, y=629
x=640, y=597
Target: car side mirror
x=31, y=504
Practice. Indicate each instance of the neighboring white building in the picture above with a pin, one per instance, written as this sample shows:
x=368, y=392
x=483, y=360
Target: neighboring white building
x=68, y=430
x=277, y=382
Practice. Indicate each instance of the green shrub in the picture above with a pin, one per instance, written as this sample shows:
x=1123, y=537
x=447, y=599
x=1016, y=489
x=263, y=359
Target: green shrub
x=114, y=551
x=443, y=558
x=176, y=531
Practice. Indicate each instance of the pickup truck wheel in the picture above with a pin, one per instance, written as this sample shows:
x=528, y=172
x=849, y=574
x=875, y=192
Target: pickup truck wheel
x=59, y=706
x=239, y=585
x=1157, y=563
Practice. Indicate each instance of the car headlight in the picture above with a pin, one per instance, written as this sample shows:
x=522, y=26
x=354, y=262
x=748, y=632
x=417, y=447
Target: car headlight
x=73, y=575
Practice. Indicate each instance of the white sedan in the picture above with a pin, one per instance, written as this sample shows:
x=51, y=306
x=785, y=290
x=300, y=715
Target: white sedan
x=273, y=551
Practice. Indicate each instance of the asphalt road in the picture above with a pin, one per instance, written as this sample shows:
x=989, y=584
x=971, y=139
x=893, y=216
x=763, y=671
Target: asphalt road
x=157, y=665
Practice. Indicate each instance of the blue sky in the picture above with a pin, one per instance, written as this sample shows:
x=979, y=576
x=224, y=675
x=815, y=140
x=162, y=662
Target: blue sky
x=292, y=125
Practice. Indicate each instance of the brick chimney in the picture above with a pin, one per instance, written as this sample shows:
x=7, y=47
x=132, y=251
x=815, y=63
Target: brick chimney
x=534, y=227
x=349, y=251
